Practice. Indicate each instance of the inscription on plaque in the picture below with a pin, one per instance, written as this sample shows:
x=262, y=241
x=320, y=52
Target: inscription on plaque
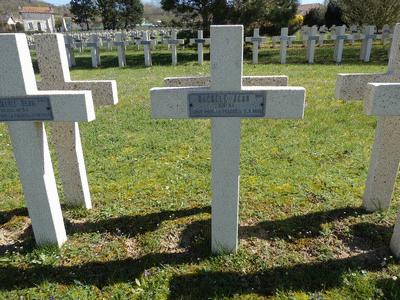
x=145, y=42
x=91, y=45
x=370, y=36
x=119, y=43
x=256, y=39
x=200, y=41
x=342, y=37
x=226, y=104
x=313, y=38
x=25, y=109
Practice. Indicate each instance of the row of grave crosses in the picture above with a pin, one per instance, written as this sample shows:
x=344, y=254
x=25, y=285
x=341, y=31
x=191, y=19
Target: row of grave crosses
x=63, y=103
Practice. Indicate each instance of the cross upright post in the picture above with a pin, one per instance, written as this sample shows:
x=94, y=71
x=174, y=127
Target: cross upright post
x=120, y=44
x=24, y=109
x=226, y=101
x=173, y=42
x=385, y=154
x=146, y=42
x=256, y=40
x=310, y=38
x=55, y=75
x=339, y=37
x=94, y=45
x=200, y=41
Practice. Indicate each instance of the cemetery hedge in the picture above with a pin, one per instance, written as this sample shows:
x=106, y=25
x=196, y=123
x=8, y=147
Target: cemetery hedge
x=302, y=234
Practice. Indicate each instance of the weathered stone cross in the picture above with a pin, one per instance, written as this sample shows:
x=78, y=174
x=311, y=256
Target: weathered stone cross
x=226, y=102
x=24, y=108
x=381, y=93
x=385, y=155
x=54, y=72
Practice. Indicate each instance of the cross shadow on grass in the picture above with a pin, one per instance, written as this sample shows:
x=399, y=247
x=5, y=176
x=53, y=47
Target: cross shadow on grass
x=209, y=283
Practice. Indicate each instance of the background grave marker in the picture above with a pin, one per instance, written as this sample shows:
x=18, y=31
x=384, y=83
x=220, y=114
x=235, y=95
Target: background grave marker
x=55, y=75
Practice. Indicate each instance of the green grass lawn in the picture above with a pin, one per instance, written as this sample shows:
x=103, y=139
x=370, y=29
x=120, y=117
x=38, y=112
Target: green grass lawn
x=302, y=234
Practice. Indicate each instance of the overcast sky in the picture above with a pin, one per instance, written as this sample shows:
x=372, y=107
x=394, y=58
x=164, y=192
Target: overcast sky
x=63, y=2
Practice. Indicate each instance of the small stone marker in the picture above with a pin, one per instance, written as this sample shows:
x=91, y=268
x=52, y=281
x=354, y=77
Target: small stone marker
x=385, y=154
x=55, y=75
x=25, y=108
x=256, y=40
x=226, y=102
x=339, y=37
x=147, y=48
x=311, y=37
x=173, y=42
x=200, y=41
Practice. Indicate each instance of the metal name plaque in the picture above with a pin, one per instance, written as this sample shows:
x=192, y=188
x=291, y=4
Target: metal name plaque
x=226, y=104
x=145, y=42
x=342, y=37
x=313, y=38
x=173, y=42
x=119, y=43
x=91, y=45
x=199, y=41
x=256, y=39
x=30, y=108
x=370, y=37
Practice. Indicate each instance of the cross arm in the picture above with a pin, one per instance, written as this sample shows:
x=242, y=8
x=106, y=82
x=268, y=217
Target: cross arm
x=256, y=39
x=200, y=41
x=382, y=99
x=104, y=92
x=246, y=81
x=352, y=86
x=280, y=102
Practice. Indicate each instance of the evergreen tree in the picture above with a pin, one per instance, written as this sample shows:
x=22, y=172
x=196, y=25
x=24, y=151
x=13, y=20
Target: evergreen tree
x=278, y=15
x=333, y=15
x=83, y=11
x=316, y=16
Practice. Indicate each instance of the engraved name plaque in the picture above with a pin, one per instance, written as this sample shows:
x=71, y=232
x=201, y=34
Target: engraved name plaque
x=31, y=108
x=226, y=104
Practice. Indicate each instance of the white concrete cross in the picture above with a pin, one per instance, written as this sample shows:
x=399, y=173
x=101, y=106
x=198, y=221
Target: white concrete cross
x=173, y=42
x=322, y=31
x=339, y=37
x=284, y=39
x=55, y=75
x=368, y=37
x=200, y=41
x=310, y=38
x=385, y=34
x=385, y=154
x=382, y=100
x=70, y=45
x=94, y=45
x=353, y=30
x=147, y=43
x=154, y=40
x=226, y=102
x=25, y=108
x=120, y=43
x=256, y=39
